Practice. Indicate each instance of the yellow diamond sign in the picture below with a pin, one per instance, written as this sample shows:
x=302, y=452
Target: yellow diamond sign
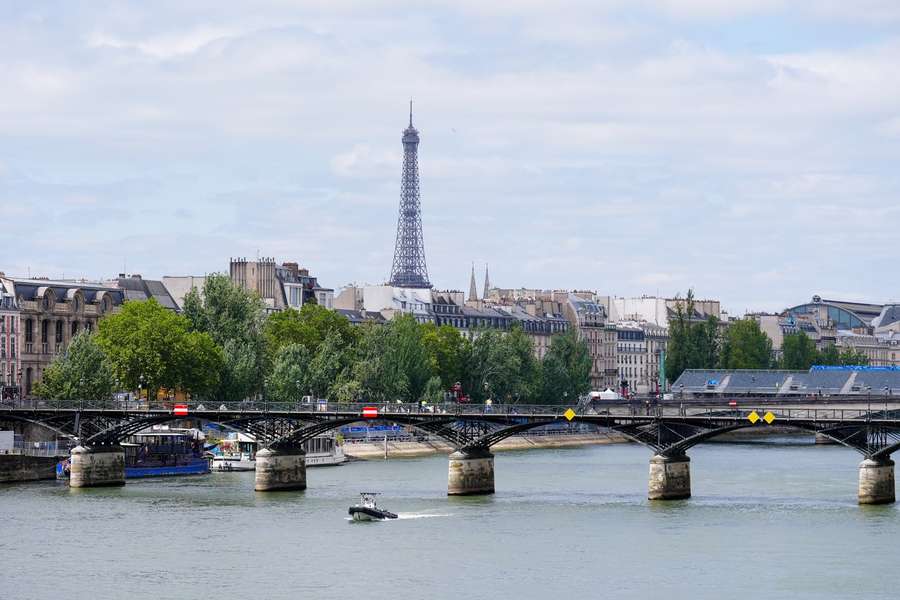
x=569, y=414
x=753, y=417
x=769, y=418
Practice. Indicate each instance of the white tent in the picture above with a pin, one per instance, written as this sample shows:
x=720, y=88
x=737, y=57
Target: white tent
x=607, y=394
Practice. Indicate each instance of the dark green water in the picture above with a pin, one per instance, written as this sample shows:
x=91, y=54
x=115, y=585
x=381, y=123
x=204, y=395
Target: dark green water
x=767, y=520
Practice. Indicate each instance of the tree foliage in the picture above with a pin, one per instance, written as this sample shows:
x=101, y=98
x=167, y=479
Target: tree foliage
x=566, y=369
x=81, y=373
x=150, y=346
x=308, y=327
x=847, y=356
x=798, y=352
x=693, y=343
x=234, y=318
x=745, y=346
x=289, y=380
x=447, y=351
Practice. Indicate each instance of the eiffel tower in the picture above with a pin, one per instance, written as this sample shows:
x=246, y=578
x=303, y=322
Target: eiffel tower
x=409, y=269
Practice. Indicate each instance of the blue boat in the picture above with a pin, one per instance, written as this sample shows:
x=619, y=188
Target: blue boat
x=161, y=452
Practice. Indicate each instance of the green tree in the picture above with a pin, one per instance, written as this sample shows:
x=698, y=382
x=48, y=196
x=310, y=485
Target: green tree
x=234, y=318
x=847, y=356
x=150, y=346
x=829, y=356
x=82, y=373
x=798, y=352
x=501, y=366
x=289, y=380
x=406, y=360
x=434, y=390
x=328, y=363
x=851, y=357
x=746, y=346
x=693, y=343
x=309, y=327
x=566, y=369
x=367, y=368
x=447, y=351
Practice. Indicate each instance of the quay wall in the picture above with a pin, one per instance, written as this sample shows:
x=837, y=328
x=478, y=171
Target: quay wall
x=375, y=450
x=18, y=467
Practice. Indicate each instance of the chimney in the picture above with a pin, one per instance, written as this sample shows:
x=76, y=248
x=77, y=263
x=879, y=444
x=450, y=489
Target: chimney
x=292, y=267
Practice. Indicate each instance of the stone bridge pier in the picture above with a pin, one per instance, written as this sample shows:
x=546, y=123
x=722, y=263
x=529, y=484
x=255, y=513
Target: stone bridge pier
x=876, y=481
x=97, y=466
x=280, y=469
x=670, y=477
x=471, y=472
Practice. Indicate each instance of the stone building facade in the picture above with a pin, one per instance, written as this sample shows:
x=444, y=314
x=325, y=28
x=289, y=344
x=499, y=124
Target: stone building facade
x=51, y=313
x=280, y=286
x=10, y=365
x=640, y=348
x=591, y=319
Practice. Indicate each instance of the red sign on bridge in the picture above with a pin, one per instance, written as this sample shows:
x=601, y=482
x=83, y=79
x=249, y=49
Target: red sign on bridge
x=180, y=410
x=370, y=412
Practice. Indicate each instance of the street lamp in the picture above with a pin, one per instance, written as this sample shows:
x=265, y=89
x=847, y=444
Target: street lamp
x=869, y=400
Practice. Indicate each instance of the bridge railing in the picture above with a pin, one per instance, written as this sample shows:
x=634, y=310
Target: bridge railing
x=875, y=409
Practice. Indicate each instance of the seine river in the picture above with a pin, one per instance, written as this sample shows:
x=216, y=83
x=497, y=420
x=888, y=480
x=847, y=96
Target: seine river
x=767, y=520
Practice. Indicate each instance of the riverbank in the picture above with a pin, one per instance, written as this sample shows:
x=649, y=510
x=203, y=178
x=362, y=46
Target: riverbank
x=375, y=450
x=18, y=467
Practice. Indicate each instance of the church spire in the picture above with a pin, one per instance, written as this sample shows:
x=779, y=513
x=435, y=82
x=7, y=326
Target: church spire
x=473, y=291
x=487, y=281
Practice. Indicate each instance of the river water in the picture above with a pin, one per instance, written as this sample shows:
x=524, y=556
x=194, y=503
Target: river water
x=774, y=519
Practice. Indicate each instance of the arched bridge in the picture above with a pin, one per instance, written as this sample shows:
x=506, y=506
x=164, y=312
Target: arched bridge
x=668, y=430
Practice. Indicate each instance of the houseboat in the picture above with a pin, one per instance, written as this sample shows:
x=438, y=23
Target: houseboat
x=157, y=452
x=237, y=452
x=162, y=451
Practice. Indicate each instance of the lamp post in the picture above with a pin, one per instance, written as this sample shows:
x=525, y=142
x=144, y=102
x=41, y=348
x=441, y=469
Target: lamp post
x=869, y=401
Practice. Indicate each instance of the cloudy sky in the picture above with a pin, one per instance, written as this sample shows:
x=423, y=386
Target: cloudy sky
x=747, y=148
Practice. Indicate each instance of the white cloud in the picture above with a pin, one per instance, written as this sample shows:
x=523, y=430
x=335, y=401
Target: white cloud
x=569, y=145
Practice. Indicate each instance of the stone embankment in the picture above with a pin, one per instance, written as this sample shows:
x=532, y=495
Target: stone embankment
x=18, y=467
x=375, y=450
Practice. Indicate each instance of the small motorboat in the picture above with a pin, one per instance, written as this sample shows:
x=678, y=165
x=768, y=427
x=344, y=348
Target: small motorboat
x=367, y=509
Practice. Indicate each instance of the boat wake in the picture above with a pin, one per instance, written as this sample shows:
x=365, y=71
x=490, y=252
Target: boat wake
x=408, y=516
x=421, y=515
